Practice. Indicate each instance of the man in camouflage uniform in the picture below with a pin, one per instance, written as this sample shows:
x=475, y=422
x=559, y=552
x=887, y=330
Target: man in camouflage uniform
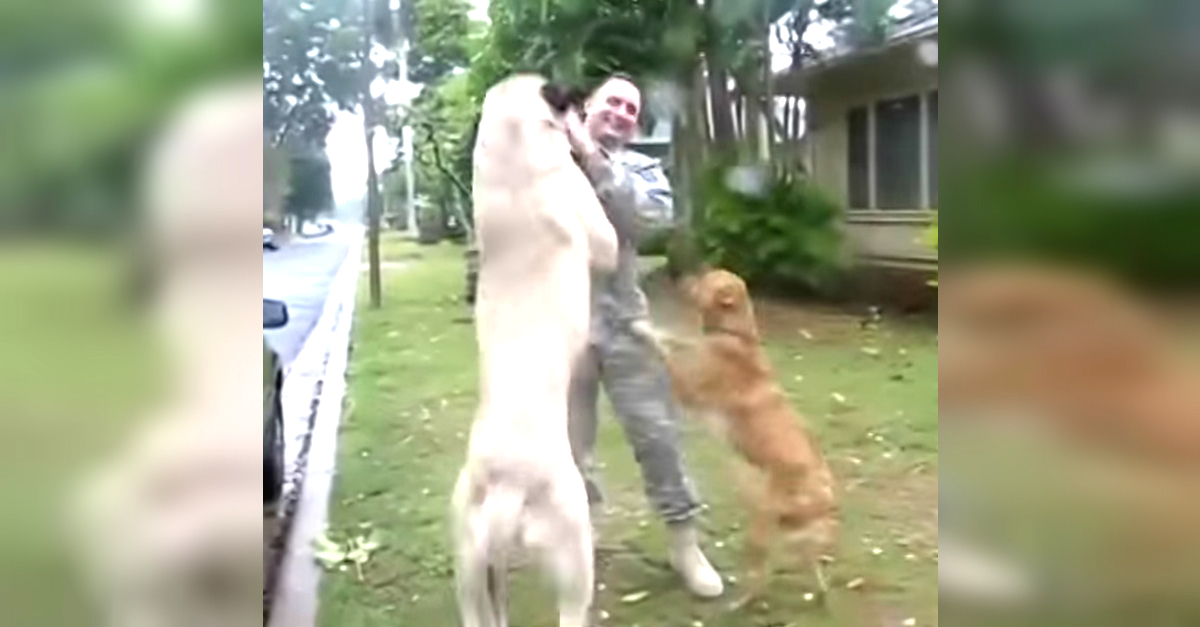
x=636, y=196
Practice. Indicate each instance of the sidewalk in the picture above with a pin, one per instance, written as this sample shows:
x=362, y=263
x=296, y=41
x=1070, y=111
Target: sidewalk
x=314, y=389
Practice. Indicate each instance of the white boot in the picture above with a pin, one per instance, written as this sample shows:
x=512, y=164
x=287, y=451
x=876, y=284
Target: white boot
x=689, y=561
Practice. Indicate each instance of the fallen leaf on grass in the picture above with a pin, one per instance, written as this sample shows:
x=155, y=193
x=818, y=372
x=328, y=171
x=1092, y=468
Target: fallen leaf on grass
x=327, y=552
x=636, y=597
x=356, y=552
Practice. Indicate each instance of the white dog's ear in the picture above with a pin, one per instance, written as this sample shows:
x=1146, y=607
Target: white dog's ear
x=563, y=97
x=559, y=97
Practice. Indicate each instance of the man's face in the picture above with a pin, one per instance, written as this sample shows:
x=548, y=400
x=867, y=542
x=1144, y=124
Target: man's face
x=612, y=113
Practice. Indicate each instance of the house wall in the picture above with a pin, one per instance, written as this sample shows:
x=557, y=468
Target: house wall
x=876, y=237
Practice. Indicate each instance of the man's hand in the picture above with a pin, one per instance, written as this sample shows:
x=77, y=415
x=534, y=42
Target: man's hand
x=578, y=135
x=663, y=342
x=645, y=331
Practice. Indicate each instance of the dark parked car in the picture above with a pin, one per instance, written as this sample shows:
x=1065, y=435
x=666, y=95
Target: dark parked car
x=275, y=316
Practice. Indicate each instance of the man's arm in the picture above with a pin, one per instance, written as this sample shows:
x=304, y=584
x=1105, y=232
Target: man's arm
x=635, y=194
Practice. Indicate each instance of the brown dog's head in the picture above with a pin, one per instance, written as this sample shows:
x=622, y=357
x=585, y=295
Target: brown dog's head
x=723, y=302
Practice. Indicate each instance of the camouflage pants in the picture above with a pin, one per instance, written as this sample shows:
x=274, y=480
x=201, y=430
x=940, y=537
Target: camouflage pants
x=636, y=383
x=472, y=257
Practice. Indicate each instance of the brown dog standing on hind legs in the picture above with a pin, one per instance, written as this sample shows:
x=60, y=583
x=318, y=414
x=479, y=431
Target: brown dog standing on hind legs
x=541, y=231
x=725, y=378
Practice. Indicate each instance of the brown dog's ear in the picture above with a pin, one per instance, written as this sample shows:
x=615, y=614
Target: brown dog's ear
x=726, y=297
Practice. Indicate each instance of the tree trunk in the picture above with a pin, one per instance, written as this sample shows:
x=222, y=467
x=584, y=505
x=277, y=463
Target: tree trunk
x=699, y=143
x=724, y=132
x=373, y=214
x=373, y=199
x=697, y=90
x=753, y=126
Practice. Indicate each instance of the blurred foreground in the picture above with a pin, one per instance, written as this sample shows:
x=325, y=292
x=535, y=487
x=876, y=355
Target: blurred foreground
x=1069, y=383
x=130, y=185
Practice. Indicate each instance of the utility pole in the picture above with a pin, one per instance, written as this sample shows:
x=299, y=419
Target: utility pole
x=409, y=146
x=369, y=125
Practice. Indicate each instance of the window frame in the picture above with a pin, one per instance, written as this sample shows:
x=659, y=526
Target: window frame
x=926, y=181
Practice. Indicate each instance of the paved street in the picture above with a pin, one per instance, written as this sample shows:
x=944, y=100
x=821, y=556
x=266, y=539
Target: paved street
x=300, y=274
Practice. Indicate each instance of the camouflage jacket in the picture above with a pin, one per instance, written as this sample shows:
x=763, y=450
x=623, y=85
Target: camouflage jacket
x=637, y=197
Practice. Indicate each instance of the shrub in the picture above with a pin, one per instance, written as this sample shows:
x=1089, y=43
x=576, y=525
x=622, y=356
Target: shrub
x=683, y=254
x=1032, y=209
x=775, y=229
x=656, y=243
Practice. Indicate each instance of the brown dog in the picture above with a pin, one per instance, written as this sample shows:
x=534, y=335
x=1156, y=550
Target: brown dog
x=1071, y=347
x=725, y=377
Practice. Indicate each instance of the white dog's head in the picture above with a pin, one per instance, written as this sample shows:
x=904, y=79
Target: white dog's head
x=522, y=126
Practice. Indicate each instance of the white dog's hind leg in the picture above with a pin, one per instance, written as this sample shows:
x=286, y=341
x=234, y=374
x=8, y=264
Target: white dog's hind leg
x=471, y=570
x=571, y=558
x=472, y=576
x=491, y=530
x=498, y=591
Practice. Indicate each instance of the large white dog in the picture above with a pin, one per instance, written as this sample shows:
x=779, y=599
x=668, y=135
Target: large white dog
x=541, y=231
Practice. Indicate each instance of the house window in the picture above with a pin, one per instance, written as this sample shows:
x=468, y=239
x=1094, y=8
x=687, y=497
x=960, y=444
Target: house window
x=860, y=158
x=898, y=153
x=892, y=154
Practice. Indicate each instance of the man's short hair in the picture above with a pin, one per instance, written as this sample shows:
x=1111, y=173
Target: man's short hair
x=615, y=76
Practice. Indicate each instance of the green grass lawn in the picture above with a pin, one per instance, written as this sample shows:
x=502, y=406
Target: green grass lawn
x=413, y=377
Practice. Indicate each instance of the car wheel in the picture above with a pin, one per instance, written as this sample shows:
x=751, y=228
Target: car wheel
x=273, y=471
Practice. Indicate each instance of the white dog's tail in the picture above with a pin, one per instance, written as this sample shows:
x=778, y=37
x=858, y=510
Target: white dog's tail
x=485, y=587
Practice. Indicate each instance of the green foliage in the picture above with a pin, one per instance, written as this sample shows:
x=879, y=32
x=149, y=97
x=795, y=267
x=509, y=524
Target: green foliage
x=657, y=243
x=308, y=64
x=684, y=254
x=443, y=115
x=443, y=38
x=311, y=191
x=277, y=176
x=84, y=87
x=785, y=233
x=584, y=41
x=1030, y=208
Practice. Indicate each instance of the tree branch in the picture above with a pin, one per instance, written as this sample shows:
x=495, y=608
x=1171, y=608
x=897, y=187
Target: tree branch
x=449, y=174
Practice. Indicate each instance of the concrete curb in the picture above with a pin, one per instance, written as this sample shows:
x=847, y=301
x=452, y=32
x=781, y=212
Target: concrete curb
x=314, y=389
